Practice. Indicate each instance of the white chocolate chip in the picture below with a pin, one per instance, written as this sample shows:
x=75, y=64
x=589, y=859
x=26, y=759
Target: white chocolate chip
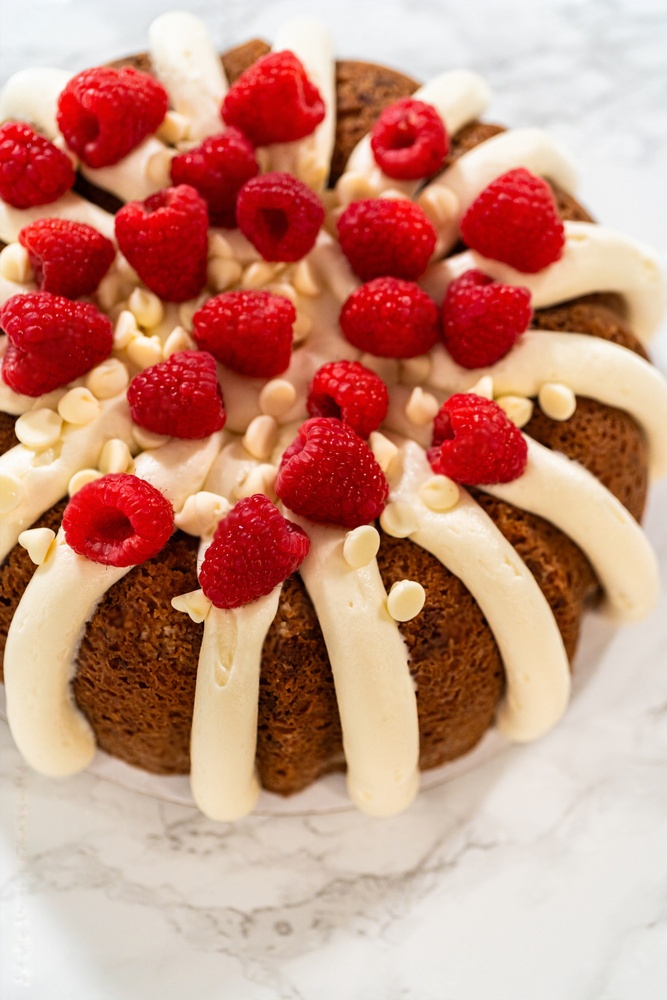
x=186, y=310
x=484, y=387
x=304, y=280
x=406, y=599
x=158, y=167
x=258, y=274
x=277, y=398
x=223, y=272
x=384, y=450
x=261, y=437
x=421, y=408
x=415, y=371
x=15, y=264
x=398, y=519
x=174, y=128
x=195, y=604
x=126, y=329
x=302, y=327
x=201, y=513
x=386, y=368
x=361, y=546
x=79, y=406
x=287, y=292
x=353, y=187
x=557, y=401
x=219, y=246
x=439, y=203
x=147, y=440
x=146, y=308
x=519, y=409
x=39, y=429
x=145, y=351
x=392, y=194
x=109, y=291
x=11, y=492
x=82, y=478
x=115, y=456
x=439, y=493
x=261, y=479
x=37, y=542
x=178, y=340
x=108, y=379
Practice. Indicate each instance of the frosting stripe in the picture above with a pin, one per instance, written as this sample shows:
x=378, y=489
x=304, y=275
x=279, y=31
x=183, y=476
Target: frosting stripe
x=71, y=206
x=31, y=95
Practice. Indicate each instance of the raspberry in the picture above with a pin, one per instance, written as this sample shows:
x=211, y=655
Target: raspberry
x=67, y=258
x=386, y=236
x=218, y=169
x=32, y=170
x=280, y=216
x=179, y=397
x=409, y=140
x=352, y=393
x=165, y=239
x=390, y=318
x=253, y=550
x=52, y=341
x=104, y=113
x=118, y=520
x=329, y=474
x=482, y=319
x=248, y=331
x=474, y=442
x=274, y=101
x=515, y=220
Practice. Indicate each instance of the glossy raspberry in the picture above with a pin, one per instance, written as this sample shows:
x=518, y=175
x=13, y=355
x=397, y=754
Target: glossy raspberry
x=253, y=550
x=329, y=474
x=32, y=170
x=118, y=520
x=179, y=397
x=482, y=319
x=274, y=101
x=104, y=113
x=352, y=393
x=67, y=258
x=386, y=236
x=165, y=239
x=474, y=442
x=390, y=318
x=409, y=140
x=515, y=220
x=280, y=216
x=52, y=341
x=248, y=331
x=218, y=168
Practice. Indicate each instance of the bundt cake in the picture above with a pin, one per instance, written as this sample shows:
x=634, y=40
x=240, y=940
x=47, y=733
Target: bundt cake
x=326, y=413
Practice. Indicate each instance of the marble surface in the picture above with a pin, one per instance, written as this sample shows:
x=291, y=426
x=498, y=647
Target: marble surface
x=542, y=874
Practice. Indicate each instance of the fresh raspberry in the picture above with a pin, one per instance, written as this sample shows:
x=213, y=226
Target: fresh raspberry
x=483, y=319
x=179, y=397
x=218, y=169
x=515, y=220
x=386, y=236
x=118, y=520
x=475, y=442
x=274, y=101
x=390, y=318
x=248, y=331
x=52, y=341
x=165, y=239
x=253, y=550
x=329, y=474
x=32, y=170
x=67, y=258
x=280, y=216
x=104, y=113
x=352, y=393
x=409, y=140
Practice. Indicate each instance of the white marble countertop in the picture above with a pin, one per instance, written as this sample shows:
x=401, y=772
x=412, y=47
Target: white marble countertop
x=542, y=874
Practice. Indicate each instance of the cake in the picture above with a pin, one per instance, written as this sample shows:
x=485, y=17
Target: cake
x=418, y=583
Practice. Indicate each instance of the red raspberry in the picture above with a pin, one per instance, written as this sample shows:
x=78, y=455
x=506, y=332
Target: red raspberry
x=390, y=318
x=386, y=236
x=280, y=216
x=515, y=220
x=409, y=140
x=179, y=397
x=329, y=474
x=253, y=550
x=274, y=101
x=165, y=239
x=483, y=319
x=67, y=258
x=104, y=113
x=218, y=169
x=52, y=341
x=352, y=393
x=249, y=332
x=32, y=170
x=475, y=442
x=118, y=520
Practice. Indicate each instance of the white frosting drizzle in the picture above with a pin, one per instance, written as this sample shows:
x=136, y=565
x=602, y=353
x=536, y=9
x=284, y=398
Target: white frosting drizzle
x=595, y=259
x=71, y=206
x=138, y=175
x=31, y=95
x=567, y=495
x=369, y=661
x=467, y=542
x=188, y=66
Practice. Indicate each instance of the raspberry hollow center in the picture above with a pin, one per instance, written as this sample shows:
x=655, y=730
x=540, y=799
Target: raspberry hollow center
x=275, y=221
x=112, y=527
